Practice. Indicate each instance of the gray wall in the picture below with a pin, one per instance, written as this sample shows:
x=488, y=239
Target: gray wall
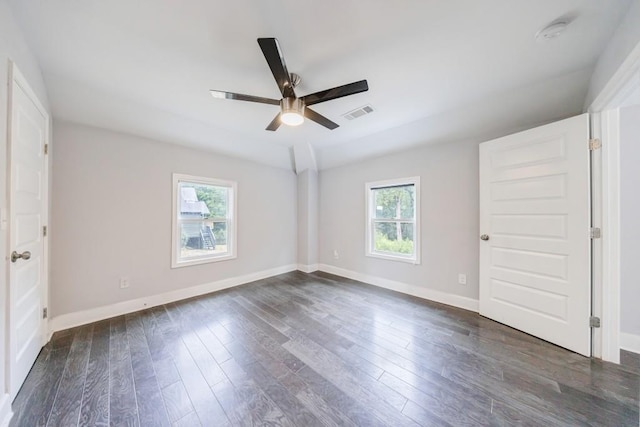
x=12, y=46
x=303, y=216
x=112, y=217
x=630, y=220
x=449, y=216
x=308, y=217
x=623, y=41
x=312, y=217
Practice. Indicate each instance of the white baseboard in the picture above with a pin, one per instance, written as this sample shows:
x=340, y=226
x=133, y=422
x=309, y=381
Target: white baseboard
x=78, y=318
x=630, y=342
x=310, y=268
x=5, y=410
x=420, y=292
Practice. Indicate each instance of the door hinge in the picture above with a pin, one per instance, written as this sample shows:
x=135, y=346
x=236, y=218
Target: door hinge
x=594, y=322
x=46, y=148
x=595, y=144
x=594, y=233
x=44, y=231
x=45, y=313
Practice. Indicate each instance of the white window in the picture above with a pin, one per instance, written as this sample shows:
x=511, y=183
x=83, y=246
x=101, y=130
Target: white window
x=204, y=220
x=393, y=226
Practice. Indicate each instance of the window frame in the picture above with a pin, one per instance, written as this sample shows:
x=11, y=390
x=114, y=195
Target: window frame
x=371, y=220
x=231, y=221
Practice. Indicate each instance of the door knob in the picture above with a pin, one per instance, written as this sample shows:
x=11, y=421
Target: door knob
x=484, y=237
x=15, y=256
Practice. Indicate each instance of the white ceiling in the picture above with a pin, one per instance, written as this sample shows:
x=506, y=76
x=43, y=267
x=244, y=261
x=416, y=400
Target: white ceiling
x=438, y=70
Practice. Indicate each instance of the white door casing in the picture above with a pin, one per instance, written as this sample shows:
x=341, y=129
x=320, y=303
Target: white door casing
x=618, y=92
x=535, y=269
x=28, y=134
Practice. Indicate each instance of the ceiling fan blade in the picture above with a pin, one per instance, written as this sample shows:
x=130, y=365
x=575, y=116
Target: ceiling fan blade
x=336, y=92
x=320, y=119
x=273, y=55
x=275, y=123
x=240, y=97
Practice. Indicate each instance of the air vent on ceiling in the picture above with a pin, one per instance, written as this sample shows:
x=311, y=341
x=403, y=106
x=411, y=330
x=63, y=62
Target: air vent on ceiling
x=358, y=112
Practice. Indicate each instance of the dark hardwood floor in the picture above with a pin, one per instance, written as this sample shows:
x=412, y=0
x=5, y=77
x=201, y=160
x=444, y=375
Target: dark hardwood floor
x=307, y=350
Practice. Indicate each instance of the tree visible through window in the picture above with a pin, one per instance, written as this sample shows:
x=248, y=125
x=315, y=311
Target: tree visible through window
x=204, y=220
x=392, y=226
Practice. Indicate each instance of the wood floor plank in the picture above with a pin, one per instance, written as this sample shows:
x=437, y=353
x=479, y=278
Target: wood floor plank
x=189, y=420
x=264, y=327
x=141, y=362
x=95, y=398
x=424, y=417
x=258, y=341
x=394, y=305
x=151, y=406
x=207, y=364
x=517, y=397
x=504, y=415
x=322, y=407
x=445, y=404
x=316, y=349
x=38, y=405
x=234, y=405
x=281, y=396
x=630, y=362
x=36, y=375
x=250, y=305
x=202, y=398
x=380, y=401
x=68, y=401
x=341, y=402
x=123, y=407
x=261, y=410
x=163, y=366
x=177, y=401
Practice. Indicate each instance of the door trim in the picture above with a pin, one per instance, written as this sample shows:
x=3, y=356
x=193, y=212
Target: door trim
x=15, y=76
x=606, y=284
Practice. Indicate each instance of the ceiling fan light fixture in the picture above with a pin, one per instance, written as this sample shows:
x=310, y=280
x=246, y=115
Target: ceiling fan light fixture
x=292, y=111
x=292, y=118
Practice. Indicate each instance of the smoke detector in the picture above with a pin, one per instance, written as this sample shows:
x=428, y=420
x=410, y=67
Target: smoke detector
x=552, y=30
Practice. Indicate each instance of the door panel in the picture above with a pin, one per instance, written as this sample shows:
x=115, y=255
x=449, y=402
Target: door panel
x=27, y=210
x=535, y=269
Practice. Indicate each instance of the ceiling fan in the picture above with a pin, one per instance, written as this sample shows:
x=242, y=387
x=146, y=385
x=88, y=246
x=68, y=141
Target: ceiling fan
x=293, y=109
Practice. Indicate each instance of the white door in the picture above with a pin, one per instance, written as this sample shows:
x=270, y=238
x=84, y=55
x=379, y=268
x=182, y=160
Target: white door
x=535, y=266
x=28, y=134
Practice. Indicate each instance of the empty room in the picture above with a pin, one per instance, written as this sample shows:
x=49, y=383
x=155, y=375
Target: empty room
x=329, y=213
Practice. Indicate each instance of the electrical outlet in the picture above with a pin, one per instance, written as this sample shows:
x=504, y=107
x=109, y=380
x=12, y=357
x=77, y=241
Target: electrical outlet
x=462, y=279
x=124, y=282
x=336, y=255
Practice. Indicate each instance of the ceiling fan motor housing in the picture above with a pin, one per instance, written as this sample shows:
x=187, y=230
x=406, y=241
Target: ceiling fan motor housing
x=295, y=79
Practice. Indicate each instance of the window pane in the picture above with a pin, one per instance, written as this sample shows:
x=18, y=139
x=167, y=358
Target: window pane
x=393, y=237
x=204, y=220
x=219, y=229
x=394, y=202
x=198, y=239
x=202, y=201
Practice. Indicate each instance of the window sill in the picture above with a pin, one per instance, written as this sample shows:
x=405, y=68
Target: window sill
x=198, y=261
x=391, y=257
